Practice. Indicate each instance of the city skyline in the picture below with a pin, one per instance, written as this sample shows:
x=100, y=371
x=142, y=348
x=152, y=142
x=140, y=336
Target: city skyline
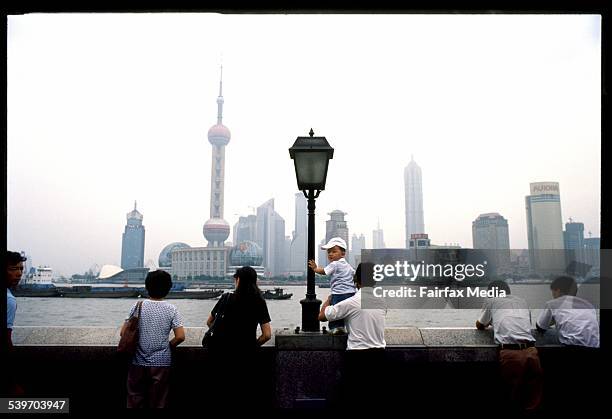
x=512, y=111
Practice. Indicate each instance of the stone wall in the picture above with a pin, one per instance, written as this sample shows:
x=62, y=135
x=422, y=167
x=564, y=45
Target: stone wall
x=444, y=369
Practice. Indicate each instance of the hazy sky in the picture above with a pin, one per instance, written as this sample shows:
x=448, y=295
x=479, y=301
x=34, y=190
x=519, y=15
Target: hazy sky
x=105, y=109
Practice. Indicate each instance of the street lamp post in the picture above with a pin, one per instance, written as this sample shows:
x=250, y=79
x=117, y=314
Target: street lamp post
x=311, y=157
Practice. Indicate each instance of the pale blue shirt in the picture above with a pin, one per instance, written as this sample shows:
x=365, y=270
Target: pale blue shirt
x=341, y=277
x=11, y=309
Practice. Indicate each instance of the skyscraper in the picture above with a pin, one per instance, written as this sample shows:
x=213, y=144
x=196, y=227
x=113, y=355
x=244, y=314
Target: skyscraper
x=378, y=238
x=573, y=239
x=271, y=238
x=133, y=239
x=413, y=188
x=216, y=229
x=545, y=228
x=357, y=243
x=336, y=227
x=299, y=241
x=490, y=232
x=592, y=253
x=245, y=229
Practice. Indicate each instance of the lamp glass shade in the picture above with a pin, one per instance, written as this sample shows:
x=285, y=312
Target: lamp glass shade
x=311, y=169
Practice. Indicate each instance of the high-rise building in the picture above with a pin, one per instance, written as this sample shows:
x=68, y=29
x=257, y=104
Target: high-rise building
x=271, y=238
x=216, y=229
x=133, y=240
x=285, y=266
x=592, y=249
x=413, y=188
x=357, y=243
x=299, y=241
x=490, y=232
x=573, y=239
x=322, y=260
x=336, y=227
x=245, y=229
x=545, y=228
x=378, y=238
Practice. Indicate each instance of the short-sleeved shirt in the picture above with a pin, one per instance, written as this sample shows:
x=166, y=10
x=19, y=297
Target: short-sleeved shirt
x=365, y=327
x=575, y=319
x=341, y=277
x=157, y=319
x=238, y=330
x=510, y=317
x=11, y=309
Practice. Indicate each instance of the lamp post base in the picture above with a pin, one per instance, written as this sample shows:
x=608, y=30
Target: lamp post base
x=310, y=314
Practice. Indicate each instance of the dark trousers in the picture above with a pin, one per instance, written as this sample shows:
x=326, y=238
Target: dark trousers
x=148, y=386
x=522, y=374
x=335, y=299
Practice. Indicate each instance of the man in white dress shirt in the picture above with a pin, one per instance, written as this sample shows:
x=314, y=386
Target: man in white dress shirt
x=574, y=318
x=518, y=357
x=365, y=355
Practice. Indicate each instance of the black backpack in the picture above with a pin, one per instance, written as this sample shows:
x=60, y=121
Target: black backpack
x=211, y=337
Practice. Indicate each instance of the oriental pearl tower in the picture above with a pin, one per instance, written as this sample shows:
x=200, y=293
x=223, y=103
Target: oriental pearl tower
x=216, y=229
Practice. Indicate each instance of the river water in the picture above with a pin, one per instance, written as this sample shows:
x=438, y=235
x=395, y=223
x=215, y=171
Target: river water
x=36, y=311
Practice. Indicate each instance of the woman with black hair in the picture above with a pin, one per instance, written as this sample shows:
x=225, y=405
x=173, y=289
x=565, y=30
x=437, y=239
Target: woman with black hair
x=148, y=379
x=234, y=349
x=244, y=310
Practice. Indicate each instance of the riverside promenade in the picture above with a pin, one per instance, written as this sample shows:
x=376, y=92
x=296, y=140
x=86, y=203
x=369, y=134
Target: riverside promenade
x=435, y=369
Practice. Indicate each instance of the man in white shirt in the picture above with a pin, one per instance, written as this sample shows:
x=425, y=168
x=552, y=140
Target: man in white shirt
x=518, y=358
x=575, y=318
x=365, y=327
x=366, y=339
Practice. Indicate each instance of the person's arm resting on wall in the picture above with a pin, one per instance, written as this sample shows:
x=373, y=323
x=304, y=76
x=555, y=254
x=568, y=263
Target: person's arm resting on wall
x=485, y=318
x=266, y=333
x=179, y=336
x=545, y=319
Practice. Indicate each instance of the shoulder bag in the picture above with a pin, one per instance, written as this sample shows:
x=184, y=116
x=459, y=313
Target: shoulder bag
x=209, y=336
x=129, y=340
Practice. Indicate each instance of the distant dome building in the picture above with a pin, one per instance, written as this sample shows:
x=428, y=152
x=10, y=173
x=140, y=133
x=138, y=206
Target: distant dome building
x=165, y=257
x=247, y=253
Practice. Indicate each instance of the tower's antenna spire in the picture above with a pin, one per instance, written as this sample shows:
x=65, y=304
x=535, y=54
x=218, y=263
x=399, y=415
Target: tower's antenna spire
x=134, y=205
x=220, y=98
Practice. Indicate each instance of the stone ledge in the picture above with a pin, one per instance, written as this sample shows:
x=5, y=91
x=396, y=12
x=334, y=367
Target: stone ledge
x=283, y=339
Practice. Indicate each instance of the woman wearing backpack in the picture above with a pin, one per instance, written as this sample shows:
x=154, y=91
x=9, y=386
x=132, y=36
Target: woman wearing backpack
x=234, y=348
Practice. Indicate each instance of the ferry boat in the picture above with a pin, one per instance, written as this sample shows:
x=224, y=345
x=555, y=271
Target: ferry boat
x=88, y=291
x=276, y=294
x=179, y=291
x=37, y=283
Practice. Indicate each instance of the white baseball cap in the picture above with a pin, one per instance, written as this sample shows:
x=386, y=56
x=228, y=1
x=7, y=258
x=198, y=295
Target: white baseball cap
x=334, y=241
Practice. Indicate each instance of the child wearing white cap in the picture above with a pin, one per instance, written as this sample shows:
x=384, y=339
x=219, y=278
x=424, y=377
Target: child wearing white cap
x=341, y=277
